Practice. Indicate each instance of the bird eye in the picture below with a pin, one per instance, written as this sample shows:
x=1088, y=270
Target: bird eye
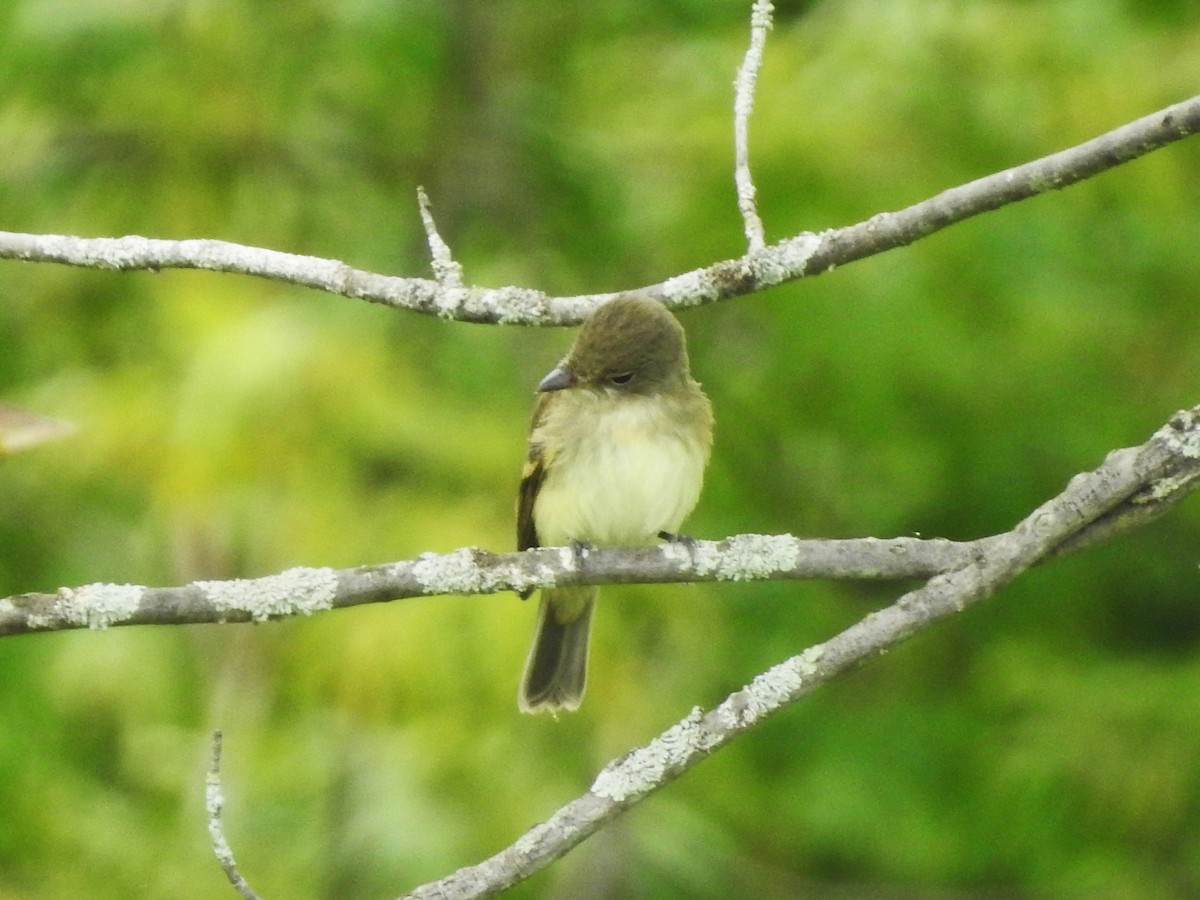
x=621, y=378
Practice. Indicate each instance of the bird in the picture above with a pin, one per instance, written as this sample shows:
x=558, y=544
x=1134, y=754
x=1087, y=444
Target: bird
x=619, y=440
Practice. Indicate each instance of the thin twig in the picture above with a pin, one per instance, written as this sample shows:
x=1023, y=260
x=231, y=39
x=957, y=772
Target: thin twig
x=21, y=429
x=743, y=104
x=449, y=274
x=802, y=255
x=213, y=803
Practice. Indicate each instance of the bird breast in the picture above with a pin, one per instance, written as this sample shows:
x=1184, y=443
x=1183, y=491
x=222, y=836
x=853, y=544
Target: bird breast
x=626, y=468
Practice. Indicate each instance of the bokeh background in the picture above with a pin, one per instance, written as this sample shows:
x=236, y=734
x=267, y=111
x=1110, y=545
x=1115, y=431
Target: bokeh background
x=1045, y=745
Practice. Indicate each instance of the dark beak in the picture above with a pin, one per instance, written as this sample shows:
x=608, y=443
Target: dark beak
x=560, y=379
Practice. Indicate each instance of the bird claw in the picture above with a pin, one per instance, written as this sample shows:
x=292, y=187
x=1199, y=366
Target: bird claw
x=686, y=539
x=580, y=550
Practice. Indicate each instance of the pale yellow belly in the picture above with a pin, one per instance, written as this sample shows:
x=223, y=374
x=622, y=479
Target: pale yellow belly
x=629, y=476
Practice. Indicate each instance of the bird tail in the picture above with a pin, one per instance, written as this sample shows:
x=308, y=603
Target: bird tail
x=556, y=671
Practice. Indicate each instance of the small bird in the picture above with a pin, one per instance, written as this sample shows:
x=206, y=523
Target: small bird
x=620, y=437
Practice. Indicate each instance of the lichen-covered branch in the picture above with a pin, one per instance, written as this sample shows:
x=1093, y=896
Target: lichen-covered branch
x=1124, y=475
x=469, y=570
x=803, y=255
x=743, y=557
x=449, y=274
x=1050, y=173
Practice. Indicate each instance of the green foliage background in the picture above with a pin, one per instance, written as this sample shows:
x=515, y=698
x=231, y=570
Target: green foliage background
x=1045, y=745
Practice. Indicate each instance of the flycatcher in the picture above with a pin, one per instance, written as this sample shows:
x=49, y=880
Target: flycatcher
x=617, y=449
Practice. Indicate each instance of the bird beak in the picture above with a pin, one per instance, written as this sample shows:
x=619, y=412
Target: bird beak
x=560, y=379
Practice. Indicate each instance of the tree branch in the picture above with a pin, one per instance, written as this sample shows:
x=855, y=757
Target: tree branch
x=469, y=570
x=1151, y=477
x=1124, y=475
x=805, y=254
x=1050, y=173
x=21, y=429
x=449, y=274
x=743, y=104
x=214, y=802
